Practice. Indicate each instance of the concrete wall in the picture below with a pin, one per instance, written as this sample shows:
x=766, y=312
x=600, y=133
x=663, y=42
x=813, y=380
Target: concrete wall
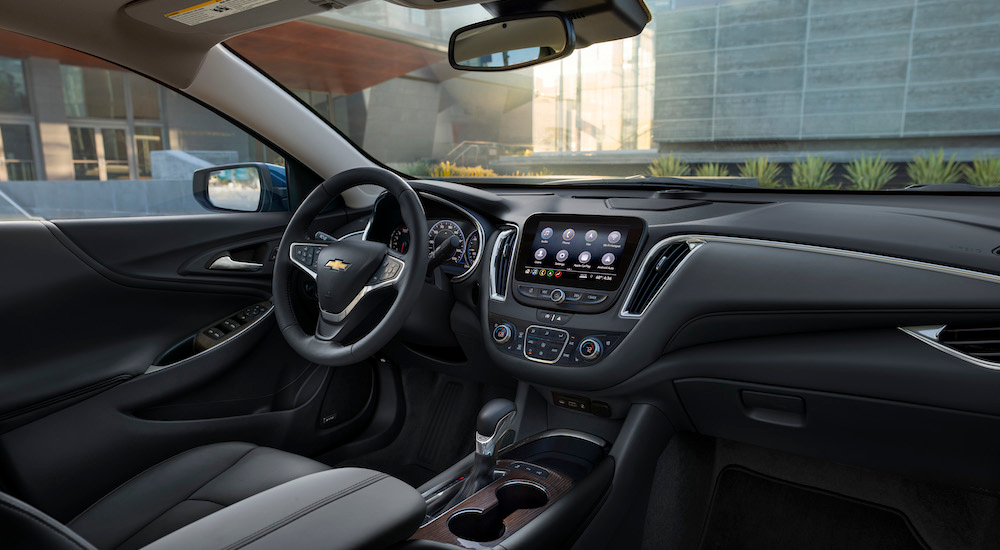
x=826, y=70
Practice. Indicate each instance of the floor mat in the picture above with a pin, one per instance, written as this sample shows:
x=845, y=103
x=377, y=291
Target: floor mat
x=750, y=511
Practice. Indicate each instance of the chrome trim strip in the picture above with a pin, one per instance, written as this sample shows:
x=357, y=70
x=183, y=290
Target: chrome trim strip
x=351, y=234
x=704, y=239
x=929, y=335
x=493, y=263
x=479, y=229
x=559, y=432
x=246, y=328
x=524, y=346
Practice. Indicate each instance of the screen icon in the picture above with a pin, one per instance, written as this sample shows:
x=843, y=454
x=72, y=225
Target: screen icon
x=584, y=257
x=608, y=259
x=568, y=235
x=550, y=273
x=540, y=254
x=558, y=274
x=562, y=255
x=614, y=237
x=591, y=236
x=547, y=233
x=534, y=272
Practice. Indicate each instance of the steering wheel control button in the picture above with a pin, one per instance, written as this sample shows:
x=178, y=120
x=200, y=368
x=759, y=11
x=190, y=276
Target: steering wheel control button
x=503, y=333
x=590, y=349
x=558, y=296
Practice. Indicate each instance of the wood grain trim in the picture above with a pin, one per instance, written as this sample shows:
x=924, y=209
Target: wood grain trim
x=555, y=486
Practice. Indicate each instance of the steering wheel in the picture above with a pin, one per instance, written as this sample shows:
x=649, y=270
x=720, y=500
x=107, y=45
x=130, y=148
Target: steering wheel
x=348, y=271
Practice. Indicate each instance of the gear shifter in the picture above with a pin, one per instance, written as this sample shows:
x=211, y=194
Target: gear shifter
x=493, y=423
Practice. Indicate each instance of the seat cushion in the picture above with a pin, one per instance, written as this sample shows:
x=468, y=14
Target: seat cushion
x=184, y=489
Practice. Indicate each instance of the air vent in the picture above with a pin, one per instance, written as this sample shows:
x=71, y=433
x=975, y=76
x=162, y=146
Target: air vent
x=981, y=342
x=655, y=273
x=503, y=255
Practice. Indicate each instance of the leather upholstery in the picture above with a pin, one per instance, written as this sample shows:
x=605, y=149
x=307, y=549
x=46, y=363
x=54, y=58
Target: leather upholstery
x=184, y=489
x=22, y=527
x=346, y=509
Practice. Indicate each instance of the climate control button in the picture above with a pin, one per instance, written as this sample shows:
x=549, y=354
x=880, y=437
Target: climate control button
x=590, y=349
x=503, y=333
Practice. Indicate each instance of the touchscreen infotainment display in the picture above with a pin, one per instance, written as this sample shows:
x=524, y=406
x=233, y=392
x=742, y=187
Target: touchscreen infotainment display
x=591, y=252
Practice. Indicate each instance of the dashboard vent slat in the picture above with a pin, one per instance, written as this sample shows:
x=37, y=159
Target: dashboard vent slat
x=654, y=275
x=501, y=262
x=981, y=342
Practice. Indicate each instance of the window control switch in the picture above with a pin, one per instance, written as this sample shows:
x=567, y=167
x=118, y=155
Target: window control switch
x=230, y=325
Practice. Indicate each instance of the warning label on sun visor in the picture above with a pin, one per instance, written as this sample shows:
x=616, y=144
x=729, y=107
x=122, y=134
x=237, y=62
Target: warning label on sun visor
x=214, y=9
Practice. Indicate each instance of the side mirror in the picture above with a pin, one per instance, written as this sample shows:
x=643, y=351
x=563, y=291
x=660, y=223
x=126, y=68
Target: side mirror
x=245, y=187
x=513, y=42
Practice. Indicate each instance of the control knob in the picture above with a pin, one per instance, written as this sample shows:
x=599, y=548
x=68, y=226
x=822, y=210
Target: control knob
x=503, y=333
x=590, y=349
x=558, y=296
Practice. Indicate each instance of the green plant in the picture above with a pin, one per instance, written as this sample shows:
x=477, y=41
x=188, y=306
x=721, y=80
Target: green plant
x=712, y=170
x=870, y=173
x=933, y=169
x=765, y=171
x=451, y=170
x=420, y=168
x=669, y=166
x=983, y=172
x=811, y=173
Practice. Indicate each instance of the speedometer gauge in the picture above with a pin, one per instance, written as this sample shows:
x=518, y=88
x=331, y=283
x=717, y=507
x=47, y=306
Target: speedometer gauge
x=441, y=232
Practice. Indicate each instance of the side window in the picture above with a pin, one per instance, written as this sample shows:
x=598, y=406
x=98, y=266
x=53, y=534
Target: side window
x=82, y=138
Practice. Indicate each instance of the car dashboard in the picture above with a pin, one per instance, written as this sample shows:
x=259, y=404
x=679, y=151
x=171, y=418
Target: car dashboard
x=782, y=319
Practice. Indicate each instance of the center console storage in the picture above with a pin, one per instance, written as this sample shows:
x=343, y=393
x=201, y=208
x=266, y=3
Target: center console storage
x=535, y=492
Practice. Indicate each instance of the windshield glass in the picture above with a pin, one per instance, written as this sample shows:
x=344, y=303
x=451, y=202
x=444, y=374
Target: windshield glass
x=805, y=94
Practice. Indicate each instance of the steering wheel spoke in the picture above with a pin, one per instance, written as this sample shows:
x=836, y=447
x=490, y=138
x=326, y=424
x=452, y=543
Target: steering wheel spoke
x=305, y=256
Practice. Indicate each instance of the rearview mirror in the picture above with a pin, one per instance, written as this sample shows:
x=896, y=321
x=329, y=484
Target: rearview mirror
x=512, y=42
x=246, y=187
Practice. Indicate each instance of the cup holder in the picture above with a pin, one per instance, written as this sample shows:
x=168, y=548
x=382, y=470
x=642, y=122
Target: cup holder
x=489, y=524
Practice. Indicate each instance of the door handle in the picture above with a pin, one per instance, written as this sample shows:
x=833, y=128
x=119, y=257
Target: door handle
x=227, y=263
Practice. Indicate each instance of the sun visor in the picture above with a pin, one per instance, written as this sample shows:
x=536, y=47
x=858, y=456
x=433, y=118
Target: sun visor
x=224, y=18
x=594, y=20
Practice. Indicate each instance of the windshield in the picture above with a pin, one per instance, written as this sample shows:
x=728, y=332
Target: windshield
x=802, y=94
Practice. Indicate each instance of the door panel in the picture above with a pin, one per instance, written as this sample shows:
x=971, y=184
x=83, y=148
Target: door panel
x=89, y=305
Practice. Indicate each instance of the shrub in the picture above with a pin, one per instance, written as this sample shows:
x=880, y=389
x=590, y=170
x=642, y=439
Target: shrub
x=712, y=170
x=983, y=172
x=933, y=169
x=870, y=173
x=419, y=169
x=669, y=166
x=451, y=170
x=765, y=171
x=811, y=173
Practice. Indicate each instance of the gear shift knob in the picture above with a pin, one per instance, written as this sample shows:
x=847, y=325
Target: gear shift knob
x=494, y=421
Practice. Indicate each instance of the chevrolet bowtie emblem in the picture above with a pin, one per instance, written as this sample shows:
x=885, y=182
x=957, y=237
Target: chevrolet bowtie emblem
x=338, y=265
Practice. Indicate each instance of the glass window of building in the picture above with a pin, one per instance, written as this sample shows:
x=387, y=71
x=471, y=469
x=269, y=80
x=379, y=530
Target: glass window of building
x=17, y=157
x=13, y=93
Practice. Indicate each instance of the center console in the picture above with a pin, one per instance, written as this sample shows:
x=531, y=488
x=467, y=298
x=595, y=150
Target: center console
x=560, y=284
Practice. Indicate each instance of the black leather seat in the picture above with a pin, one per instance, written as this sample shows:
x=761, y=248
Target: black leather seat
x=160, y=500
